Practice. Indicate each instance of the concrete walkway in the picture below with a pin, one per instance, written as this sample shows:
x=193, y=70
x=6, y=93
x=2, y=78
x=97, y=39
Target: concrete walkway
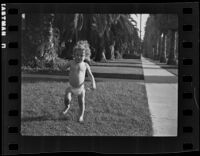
x=162, y=98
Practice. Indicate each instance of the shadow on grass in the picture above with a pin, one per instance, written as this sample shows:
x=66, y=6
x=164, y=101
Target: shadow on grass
x=117, y=65
x=96, y=75
x=136, y=66
x=170, y=68
x=121, y=62
x=119, y=76
x=161, y=79
x=164, y=67
x=45, y=118
x=46, y=79
x=167, y=66
x=148, y=79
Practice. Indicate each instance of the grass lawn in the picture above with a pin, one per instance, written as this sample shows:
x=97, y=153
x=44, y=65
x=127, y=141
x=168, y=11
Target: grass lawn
x=170, y=68
x=116, y=108
x=116, y=69
x=120, y=66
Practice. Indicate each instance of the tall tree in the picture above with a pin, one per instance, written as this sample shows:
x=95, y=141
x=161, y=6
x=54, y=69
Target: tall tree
x=55, y=34
x=35, y=37
x=173, y=29
x=161, y=28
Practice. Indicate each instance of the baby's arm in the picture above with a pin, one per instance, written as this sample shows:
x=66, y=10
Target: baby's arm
x=89, y=72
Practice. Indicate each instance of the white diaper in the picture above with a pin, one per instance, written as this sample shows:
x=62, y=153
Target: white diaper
x=77, y=91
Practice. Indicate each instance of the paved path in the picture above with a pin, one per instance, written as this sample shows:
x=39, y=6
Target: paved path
x=162, y=98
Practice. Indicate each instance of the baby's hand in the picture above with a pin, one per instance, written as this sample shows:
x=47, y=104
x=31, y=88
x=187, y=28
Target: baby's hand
x=93, y=87
x=87, y=89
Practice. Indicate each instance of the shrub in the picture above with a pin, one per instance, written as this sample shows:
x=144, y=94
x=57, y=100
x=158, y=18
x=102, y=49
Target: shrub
x=131, y=56
x=60, y=64
x=56, y=64
x=118, y=55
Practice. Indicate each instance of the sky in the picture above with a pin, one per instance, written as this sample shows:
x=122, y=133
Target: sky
x=143, y=23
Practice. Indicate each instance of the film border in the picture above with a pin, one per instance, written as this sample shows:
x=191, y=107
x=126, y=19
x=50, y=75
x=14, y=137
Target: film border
x=188, y=81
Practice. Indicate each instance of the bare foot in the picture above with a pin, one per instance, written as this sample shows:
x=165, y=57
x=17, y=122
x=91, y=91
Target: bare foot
x=81, y=120
x=66, y=110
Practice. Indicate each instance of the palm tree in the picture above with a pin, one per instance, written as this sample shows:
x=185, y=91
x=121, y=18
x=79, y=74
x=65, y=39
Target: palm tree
x=99, y=29
x=125, y=31
x=36, y=37
x=161, y=28
x=167, y=24
x=107, y=27
x=173, y=27
x=161, y=21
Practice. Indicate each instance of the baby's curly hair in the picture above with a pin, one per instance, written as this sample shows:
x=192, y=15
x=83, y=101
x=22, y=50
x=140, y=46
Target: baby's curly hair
x=83, y=45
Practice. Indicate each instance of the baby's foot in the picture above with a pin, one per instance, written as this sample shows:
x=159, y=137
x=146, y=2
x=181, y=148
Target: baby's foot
x=80, y=119
x=66, y=110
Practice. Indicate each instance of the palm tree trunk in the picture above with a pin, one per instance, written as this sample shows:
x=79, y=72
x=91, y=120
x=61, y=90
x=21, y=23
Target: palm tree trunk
x=159, y=47
x=157, y=50
x=76, y=36
x=100, y=49
x=171, y=58
x=112, y=49
x=176, y=47
x=163, y=49
x=153, y=51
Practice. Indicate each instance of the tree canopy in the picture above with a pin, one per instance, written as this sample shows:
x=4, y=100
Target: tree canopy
x=54, y=35
x=159, y=39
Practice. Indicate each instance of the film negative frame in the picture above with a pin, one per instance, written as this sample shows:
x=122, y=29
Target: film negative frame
x=188, y=85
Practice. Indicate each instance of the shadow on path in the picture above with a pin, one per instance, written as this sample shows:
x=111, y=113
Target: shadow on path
x=99, y=77
x=170, y=68
x=161, y=79
x=121, y=62
x=149, y=79
x=118, y=65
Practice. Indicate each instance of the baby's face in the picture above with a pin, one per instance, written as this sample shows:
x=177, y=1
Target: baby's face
x=79, y=55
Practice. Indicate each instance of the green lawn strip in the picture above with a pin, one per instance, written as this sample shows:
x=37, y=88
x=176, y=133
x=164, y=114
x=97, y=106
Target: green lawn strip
x=114, y=109
x=170, y=68
x=119, y=62
x=119, y=70
x=126, y=66
x=115, y=69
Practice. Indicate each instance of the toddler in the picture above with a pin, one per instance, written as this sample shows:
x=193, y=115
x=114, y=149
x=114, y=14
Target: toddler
x=78, y=69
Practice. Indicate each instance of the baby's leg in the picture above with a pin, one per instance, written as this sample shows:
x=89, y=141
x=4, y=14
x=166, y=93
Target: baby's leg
x=81, y=101
x=67, y=99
